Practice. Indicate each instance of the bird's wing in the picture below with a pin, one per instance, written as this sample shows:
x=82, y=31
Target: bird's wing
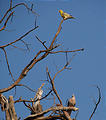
x=66, y=14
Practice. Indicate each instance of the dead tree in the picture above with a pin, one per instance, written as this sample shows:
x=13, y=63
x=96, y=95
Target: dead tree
x=58, y=111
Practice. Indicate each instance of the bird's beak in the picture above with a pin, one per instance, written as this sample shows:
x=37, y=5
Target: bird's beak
x=73, y=17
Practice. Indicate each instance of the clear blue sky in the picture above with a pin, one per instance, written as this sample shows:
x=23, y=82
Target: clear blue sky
x=88, y=67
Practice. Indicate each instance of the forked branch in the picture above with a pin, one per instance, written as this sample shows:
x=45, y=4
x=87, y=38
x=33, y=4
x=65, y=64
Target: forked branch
x=35, y=60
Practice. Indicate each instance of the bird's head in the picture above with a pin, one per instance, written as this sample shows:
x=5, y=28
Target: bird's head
x=73, y=95
x=60, y=11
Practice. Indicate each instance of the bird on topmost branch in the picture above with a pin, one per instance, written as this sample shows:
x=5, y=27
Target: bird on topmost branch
x=65, y=16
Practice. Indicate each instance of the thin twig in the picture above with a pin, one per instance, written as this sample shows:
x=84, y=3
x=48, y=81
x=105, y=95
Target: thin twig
x=62, y=51
x=21, y=100
x=19, y=37
x=99, y=99
x=53, y=86
x=18, y=47
x=43, y=43
x=26, y=87
x=10, y=4
x=28, y=106
x=25, y=44
x=64, y=67
x=6, y=21
x=8, y=64
x=23, y=4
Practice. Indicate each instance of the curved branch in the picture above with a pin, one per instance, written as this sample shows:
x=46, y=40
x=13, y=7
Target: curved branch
x=11, y=8
x=99, y=99
x=8, y=64
x=6, y=21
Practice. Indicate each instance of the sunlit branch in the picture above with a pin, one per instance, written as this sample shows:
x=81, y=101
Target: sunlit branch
x=58, y=31
x=51, y=109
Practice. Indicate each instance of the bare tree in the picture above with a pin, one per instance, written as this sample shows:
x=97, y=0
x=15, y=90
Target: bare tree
x=57, y=111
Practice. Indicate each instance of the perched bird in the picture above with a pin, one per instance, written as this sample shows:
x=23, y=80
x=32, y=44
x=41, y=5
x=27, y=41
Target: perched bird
x=65, y=16
x=37, y=107
x=71, y=101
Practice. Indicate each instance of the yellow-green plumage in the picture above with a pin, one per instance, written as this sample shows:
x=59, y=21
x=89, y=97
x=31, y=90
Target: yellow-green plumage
x=65, y=16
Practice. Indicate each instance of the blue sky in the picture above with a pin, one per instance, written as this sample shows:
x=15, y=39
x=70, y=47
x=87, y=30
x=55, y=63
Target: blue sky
x=88, y=67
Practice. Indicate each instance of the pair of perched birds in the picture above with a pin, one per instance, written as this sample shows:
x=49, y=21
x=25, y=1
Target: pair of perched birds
x=65, y=16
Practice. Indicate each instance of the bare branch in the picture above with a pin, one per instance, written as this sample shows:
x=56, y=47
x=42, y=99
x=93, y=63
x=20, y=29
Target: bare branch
x=26, y=87
x=43, y=43
x=8, y=64
x=6, y=21
x=25, y=44
x=53, y=86
x=99, y=99
x=32, y=62
x=23, y=4
x=46, y=95
x=21, y=100
x=51, y=109
x=58, y=31
x=10, y=4
x=51, y=117
x=61, y=70
x=19, y=38
x=81, y=49
x=28, y=106
x=55, y=91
